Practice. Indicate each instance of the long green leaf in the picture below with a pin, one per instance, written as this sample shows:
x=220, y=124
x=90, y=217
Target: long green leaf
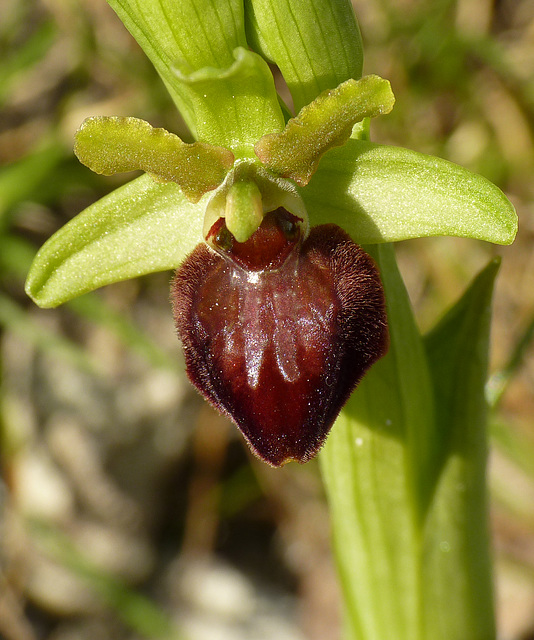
x=457, y=568
x=404, y=473
x=315, y=43
x=140, y=228
x=384, y=194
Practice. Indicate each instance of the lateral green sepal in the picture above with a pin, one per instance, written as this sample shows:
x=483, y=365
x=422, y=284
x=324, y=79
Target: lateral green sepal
x=325, y=123
x=109, y=145
x=140, y=228
x=379, y=193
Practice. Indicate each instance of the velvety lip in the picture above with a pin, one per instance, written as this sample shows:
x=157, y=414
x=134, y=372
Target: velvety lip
x=278, y=332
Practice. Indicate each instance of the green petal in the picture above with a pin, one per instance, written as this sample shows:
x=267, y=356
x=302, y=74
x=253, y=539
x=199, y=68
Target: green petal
x=116, y=144
x=325, y=123
x=140, y=228
x=384, y=194
x=315, y=43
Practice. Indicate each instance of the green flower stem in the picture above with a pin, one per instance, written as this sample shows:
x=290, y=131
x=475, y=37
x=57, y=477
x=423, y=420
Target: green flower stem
x=404, y=470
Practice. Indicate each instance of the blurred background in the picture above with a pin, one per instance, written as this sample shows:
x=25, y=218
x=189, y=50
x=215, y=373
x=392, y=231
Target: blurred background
x=129, y=509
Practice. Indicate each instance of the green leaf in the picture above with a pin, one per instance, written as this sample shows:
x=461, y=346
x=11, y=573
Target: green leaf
x=315, y=43
x=140, y=228
x=325, y=123
x=384, y=194
x=109, y=145
x=404, y=470
x=457, y=569
x=376, y=465
x=224, y=92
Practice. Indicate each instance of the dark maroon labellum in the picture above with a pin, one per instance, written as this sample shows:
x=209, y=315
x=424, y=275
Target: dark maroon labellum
x=278, y=331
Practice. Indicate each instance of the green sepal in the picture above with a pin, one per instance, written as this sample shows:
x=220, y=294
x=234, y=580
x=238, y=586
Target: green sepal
x=109, y=145
x=225, y=92
x=457, y=569
x=190, y=33
x=236, y=105
x=315, y=43
x=140, y=228
x=325, y=123
x=384, y=194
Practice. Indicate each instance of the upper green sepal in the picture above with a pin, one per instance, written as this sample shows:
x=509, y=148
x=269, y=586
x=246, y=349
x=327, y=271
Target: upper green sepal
x=109, y=145
x=234, y=106
x=189, y=33
x=325, y=123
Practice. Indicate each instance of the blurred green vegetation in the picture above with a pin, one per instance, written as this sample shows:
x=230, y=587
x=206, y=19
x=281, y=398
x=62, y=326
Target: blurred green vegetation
x=99, y=431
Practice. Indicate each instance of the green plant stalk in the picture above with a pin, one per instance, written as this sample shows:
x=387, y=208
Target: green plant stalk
x=404, y=471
